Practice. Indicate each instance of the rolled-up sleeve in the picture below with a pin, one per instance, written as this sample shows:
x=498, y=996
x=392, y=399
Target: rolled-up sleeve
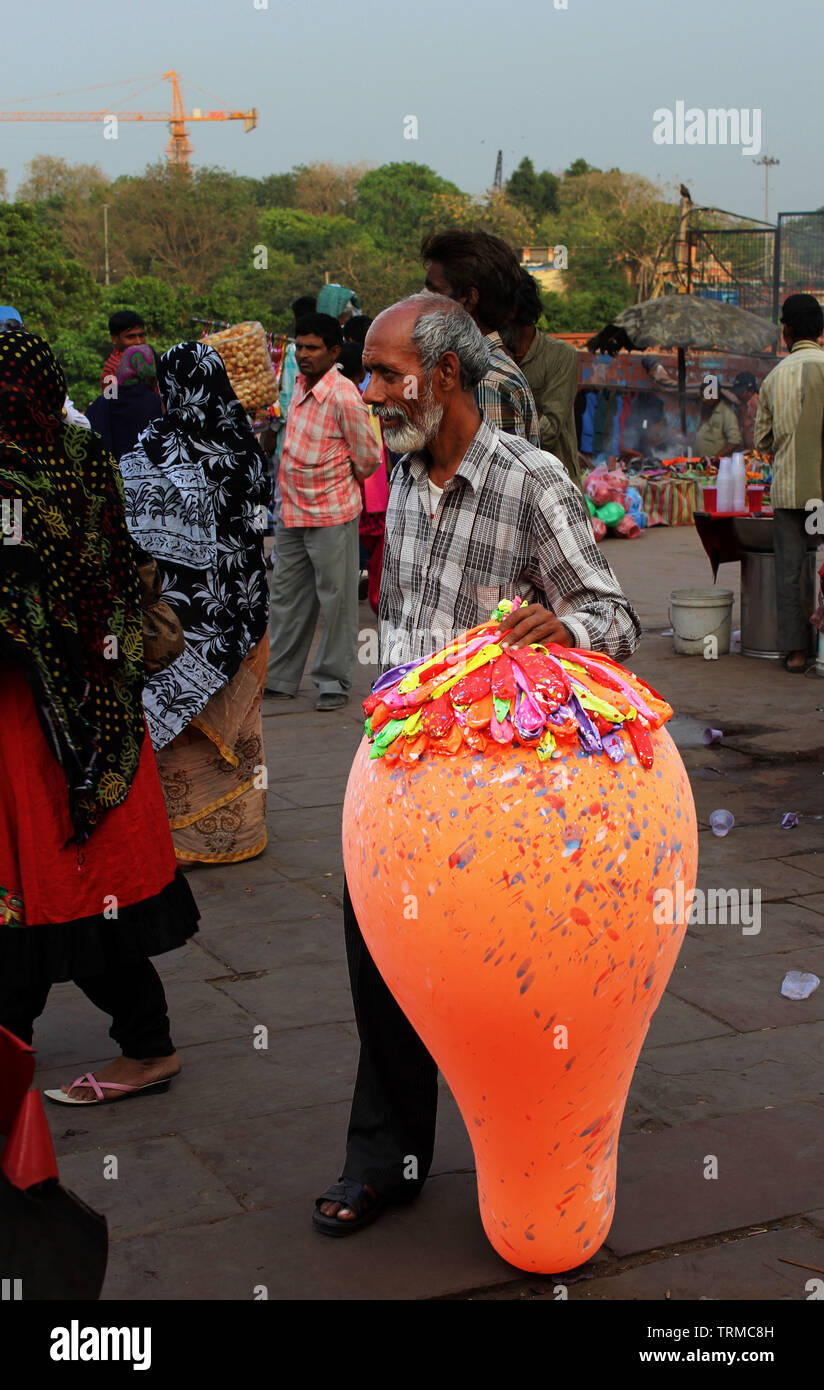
x=356, y=428
x=576, y=578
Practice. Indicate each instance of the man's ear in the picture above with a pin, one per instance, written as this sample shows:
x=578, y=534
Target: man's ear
x=335, y=350
x=470, y=299
x=449, y=371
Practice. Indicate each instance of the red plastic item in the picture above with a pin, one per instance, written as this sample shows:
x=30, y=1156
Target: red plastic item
x=755, y=499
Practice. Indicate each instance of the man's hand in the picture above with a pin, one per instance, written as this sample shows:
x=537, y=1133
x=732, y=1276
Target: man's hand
x=533, y=623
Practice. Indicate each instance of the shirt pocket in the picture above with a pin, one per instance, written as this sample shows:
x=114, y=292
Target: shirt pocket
x=485, y=588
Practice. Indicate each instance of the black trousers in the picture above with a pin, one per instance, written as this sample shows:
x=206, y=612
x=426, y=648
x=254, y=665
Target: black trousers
x=132, y=994
x=793, y=603
x=392, y=1122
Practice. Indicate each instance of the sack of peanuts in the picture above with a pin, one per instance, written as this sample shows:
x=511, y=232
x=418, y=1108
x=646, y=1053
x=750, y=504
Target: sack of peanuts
x=248, y=364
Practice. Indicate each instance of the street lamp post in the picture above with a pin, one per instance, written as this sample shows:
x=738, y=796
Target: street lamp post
x=106, y=243
x=768, y=163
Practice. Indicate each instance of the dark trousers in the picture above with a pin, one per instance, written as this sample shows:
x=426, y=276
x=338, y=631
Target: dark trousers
x=132, y=994
x=392, y=1122
x=790, y=545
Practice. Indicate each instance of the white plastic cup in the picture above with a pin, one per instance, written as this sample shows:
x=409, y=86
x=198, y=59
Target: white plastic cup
x=721, y=822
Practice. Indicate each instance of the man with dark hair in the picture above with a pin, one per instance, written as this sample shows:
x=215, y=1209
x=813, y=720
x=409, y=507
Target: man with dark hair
x=551, y=369
x=329, y=446
x=306, y=304
x=126, y=329
x=356, y=329
x=474, y=516
x=790, y=426
x=482, y=273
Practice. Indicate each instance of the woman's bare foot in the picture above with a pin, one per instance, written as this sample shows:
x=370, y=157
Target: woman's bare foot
x=129, y=1071
x=340, y=1211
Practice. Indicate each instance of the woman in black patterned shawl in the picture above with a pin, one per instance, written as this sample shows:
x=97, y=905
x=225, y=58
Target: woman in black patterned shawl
x=196, y=495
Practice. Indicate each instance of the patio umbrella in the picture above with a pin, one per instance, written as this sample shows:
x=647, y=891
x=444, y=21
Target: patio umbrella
x=686, y=320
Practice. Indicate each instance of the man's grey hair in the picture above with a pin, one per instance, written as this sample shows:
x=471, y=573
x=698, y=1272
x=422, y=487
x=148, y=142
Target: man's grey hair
x=444, y=326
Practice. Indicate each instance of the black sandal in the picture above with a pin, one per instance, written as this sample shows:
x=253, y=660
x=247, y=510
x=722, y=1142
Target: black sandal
x=350, y=1194
x=795, y=670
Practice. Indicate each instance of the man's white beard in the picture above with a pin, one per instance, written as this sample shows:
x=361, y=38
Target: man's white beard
x=412, y=436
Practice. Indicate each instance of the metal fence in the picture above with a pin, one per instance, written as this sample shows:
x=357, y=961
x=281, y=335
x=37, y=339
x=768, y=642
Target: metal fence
x=757, y=267
x=798, y=261
x=735, y=265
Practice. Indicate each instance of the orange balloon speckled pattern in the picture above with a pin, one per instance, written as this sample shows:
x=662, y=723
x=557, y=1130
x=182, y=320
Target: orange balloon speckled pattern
x=509, y=904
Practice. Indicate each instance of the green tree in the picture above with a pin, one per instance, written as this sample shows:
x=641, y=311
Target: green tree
x=393, y=202
x=578, y=167
x=536, y=193
x=48, y=178
x=49, y=289
x=303, y=235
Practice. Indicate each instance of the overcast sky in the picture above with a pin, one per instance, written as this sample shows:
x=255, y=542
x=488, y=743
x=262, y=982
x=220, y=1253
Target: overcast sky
x=334, y=81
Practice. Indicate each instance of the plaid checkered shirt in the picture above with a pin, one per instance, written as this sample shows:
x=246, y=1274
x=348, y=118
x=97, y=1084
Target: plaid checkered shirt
x=504, y=395
x=328, y=429
x=509, y=522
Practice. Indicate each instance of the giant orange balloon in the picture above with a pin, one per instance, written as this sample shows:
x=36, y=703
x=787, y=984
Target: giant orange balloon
x=510, y=905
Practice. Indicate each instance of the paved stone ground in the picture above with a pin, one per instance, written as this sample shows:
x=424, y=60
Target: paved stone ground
x=216, y=1178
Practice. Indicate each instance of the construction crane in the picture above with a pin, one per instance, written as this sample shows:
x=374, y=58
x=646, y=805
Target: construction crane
x=179, y=148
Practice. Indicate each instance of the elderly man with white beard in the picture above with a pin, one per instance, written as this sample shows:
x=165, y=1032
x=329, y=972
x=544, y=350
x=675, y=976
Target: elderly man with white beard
x=474, y=516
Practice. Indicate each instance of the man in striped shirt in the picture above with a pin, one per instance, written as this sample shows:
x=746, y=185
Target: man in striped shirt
x=790, y=426
x=329, y=446
x=474, y=516
x=482, y=273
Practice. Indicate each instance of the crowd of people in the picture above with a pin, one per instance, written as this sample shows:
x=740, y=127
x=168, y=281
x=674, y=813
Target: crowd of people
x=127, y=761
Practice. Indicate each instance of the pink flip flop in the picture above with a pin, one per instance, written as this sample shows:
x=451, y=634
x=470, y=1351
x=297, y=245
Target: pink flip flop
x=66, y=1097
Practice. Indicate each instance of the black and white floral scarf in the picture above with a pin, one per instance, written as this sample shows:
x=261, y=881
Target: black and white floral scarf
x=196, y=497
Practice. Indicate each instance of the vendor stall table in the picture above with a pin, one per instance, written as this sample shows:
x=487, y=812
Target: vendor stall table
x=749, y=539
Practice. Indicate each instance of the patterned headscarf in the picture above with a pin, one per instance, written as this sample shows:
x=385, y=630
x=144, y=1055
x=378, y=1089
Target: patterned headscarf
x=138, y=363
x=196, y=495
x=70, y=610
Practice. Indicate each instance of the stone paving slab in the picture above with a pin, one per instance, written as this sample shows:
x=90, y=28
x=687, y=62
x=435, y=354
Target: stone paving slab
x=814, y=901
x=675, y=1021
x=746, y=993
x=776, y=878
x=810, y=863
x=432, y=1249
x=305, y=941
x=769, y=1167
x=785, y=926
x=294, y=997
x=738, y=1270
x=221, y=1082
x=271, y=904
x=729, y=1074
x=160, y=1185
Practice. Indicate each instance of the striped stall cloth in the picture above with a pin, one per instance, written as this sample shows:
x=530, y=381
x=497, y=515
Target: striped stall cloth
x=670, y=501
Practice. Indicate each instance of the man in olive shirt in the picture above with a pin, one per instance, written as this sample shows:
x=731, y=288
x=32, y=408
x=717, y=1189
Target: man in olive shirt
x=719, y=431
x=551, y=369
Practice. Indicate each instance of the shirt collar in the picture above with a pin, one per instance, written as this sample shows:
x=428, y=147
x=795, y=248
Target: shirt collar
x=472, y=467
x=495, y=340
x=805, y=343
x=322, y=388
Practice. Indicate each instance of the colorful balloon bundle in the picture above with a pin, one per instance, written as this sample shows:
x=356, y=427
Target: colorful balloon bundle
x=475, y=694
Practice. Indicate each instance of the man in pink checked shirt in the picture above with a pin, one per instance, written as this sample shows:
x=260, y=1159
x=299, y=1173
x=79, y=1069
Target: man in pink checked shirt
x=329, y=446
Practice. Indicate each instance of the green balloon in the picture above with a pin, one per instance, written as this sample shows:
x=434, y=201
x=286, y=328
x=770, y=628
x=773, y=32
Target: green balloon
x=611, y=513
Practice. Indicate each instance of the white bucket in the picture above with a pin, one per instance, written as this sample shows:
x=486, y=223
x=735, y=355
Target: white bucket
x=695, y=615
